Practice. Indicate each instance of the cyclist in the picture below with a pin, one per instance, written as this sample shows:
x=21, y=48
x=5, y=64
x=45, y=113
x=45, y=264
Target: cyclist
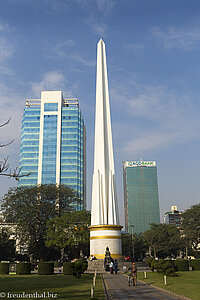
x=133, y=275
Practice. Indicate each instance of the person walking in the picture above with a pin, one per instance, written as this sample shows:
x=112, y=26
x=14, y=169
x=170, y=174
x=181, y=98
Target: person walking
x=116, y=266
x=111, y=267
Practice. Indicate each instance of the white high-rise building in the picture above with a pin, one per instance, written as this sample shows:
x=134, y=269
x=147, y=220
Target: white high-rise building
x=53, y=143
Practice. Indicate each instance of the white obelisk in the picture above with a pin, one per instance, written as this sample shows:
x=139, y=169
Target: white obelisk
x=105, y=230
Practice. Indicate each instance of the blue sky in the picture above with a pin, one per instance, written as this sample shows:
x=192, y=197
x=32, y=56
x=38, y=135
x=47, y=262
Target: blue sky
x=153, y=63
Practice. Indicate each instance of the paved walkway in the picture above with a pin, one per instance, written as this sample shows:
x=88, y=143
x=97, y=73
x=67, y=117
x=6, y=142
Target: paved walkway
x=117, y=288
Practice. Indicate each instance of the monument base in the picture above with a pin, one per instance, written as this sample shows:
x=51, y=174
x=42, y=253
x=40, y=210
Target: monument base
x=102, y=236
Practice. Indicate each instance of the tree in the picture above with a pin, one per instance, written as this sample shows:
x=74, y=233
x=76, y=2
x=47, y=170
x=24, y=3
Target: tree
x=127, y=246
x=31, y=208
x=191, y=226
x=163, y=239
x=7, y=245
x=4, y=164
x=139, y=247
x=70, y=231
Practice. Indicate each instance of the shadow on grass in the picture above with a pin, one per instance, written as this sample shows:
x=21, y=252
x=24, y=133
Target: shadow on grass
x=35, y=282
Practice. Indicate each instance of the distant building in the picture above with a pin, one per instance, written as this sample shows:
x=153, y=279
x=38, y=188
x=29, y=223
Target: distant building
x=53, y=143
x=141, y=201
x=173, y=217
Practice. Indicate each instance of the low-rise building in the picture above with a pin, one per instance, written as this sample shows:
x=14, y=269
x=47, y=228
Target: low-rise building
x=173, y=217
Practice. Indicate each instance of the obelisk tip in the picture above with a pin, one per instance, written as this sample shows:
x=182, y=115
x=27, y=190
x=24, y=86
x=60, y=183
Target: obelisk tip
x=101, y=40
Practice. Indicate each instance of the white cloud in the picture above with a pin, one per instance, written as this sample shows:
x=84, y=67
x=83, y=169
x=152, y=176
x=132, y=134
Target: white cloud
x=105, y=6
x=5, y=27
x=51, y=7
x=160, y=118
x=85, y=61
x=61, y=48
x=99, y=29
x=6, y=49
x=138, y=48
x=97, y=12
x=64, y=49
x=174, y=37
x=9, y=109
x=53, y=80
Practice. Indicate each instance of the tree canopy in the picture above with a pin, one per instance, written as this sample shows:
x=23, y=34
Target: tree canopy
x=128, y=241
x=164, y=240
x=7, y=245
x=31, y=208
x=70, y=230
x=191, y=226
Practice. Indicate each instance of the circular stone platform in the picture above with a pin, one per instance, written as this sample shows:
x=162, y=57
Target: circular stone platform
x=102, y=236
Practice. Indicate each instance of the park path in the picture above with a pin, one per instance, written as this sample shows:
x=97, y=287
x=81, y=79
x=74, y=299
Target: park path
x=117, y=287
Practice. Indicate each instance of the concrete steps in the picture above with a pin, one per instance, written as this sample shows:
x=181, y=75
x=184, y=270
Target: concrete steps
x=97, y=265
x=123, y=266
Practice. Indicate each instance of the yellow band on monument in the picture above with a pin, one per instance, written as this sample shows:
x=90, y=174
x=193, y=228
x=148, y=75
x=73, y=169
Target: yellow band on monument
x=105, y=237
x=102, y=256
x=105, y=227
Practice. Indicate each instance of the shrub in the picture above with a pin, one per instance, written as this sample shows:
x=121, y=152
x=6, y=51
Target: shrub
x=167, y=264
x=154, y=265
x=195, y=264
x=84, y=264
x=79, y=267
x=197, y=254
x=46, y=268
x=4, y=268
x=181, y=265
x=163, y=266
x=149, y=261
x=159, y=270
x=171, y=272
x=23, y=268
x=68, y=268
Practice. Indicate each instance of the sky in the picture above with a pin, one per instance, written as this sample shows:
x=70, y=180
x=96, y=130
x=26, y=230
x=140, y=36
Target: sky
x=153, y=59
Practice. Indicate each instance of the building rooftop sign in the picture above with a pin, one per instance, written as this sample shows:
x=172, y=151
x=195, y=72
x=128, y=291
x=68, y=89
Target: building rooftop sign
x=139, y=163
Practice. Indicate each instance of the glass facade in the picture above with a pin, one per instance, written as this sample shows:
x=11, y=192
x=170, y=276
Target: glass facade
x=72, y=149
x=54, y=153
x=49, y=149
x=141, y=199
x=29, y=150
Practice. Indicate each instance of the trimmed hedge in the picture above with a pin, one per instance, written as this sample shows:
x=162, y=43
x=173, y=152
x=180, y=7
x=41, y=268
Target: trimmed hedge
x=23, y=268
x=68, y=268
x=163, y=266
x=4, y=268
x=181, y=265
x=77, y=268
x=46, y=268
x=195, y=264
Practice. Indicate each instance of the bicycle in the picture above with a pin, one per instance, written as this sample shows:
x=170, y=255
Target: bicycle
x=132, y=280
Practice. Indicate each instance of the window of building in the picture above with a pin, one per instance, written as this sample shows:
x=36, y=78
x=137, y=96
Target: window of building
x=50, y=106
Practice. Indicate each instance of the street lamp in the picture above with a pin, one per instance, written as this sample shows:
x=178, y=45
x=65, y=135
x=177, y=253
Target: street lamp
x=132, y=226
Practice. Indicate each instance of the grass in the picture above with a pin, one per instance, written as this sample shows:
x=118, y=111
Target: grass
x=65, y=286
x=187, y=283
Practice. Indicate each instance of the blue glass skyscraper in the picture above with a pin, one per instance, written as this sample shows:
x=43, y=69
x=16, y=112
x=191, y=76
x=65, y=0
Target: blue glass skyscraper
x=141, y=201
x=53, y=143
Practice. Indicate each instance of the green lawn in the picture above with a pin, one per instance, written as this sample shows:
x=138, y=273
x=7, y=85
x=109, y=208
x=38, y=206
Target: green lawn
x=65, y=286
x=187, y=283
